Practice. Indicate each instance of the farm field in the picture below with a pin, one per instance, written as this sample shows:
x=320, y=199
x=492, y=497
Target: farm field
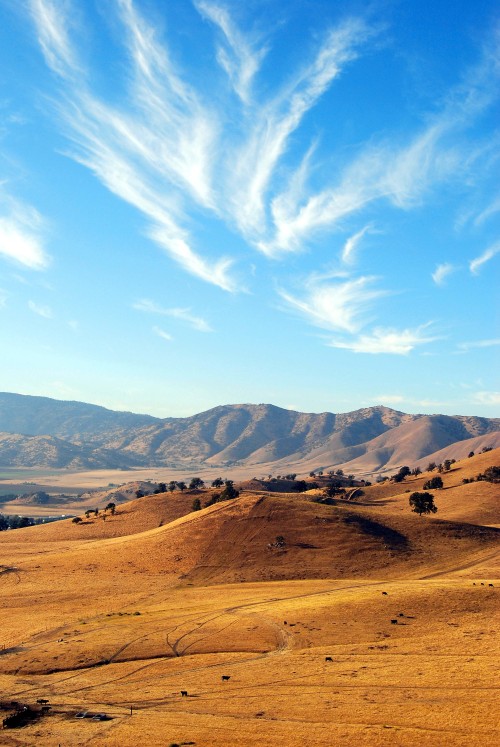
x=365, y=625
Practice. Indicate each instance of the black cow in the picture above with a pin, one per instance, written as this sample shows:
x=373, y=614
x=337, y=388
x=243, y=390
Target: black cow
x=184, y=693
x=328, y=658
x=42, y=701
x=225, y=677
x=384, y=593
x=394, y=622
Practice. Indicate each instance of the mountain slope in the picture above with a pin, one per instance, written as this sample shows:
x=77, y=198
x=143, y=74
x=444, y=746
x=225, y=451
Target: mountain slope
x=364, y=440
x=72, y=421
x=48, y=451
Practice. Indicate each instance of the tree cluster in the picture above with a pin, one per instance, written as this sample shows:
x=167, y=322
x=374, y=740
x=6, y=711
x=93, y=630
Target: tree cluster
x=16, y=522
x=435, y=483
x=491, y=474
x=227, y=494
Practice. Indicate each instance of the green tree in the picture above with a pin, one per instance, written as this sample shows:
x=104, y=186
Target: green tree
x=435, y=483
x=196, y=505
x=219, y=482
x=172, y=485
x=492, y=474
x=182, y=486
x=76, y=520
x=402, y=474
x=422, y=503
x=229, y=491
x=111, y=507
x=195, y=483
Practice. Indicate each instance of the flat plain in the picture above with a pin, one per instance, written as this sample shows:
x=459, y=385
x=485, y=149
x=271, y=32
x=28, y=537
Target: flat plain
x=364, y=624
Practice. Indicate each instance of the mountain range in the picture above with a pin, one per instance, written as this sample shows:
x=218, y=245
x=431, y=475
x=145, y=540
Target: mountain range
x=44, y=432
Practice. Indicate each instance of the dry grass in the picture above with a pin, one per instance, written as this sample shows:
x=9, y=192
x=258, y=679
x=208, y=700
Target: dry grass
x=126, y=613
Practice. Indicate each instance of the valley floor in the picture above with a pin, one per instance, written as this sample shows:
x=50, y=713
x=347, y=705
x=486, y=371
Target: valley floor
x=306, y=662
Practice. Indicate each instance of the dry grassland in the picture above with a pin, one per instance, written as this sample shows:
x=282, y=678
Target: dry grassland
x=121, y=615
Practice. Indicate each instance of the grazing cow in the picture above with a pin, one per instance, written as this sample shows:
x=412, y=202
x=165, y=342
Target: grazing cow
x=384, y=593
x=285, y=622
x=184, y=693
x=225, y=677
x=482, y=583
x=42, y=701
x=490, y=584
x=328, y=658
x=394, y=622
x=401, y=614
x=473, y=583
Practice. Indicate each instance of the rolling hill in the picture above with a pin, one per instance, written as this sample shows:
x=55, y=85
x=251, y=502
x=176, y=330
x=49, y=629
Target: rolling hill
x=267, y=619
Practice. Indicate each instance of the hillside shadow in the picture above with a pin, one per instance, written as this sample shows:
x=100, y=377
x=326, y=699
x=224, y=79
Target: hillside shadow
x=392, y=538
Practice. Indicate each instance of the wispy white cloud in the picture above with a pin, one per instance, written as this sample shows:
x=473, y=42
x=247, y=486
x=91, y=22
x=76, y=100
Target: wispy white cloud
x=442, y=271
x=240, y=56
x=402, y=173
x=486, y=398
x=161, y=333
x=173, y=154
x=184, y=315
x=44, y=311
x=350, y=246
x=335, y=303
x=154, y=153
x=21, y=234
x=381, y=340
x=256, y=162
x=476, y=264
x=491, y=209
x=3, y=298
x=52, y=23
x=479, y=344
x=391, y=399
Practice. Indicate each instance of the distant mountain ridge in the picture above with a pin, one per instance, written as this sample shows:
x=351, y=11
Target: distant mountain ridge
x=43, y=432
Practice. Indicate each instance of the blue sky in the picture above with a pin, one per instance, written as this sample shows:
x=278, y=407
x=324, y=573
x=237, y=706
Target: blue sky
x=205, y=203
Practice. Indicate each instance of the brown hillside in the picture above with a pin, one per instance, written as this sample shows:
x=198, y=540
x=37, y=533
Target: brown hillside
x=368, y=625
